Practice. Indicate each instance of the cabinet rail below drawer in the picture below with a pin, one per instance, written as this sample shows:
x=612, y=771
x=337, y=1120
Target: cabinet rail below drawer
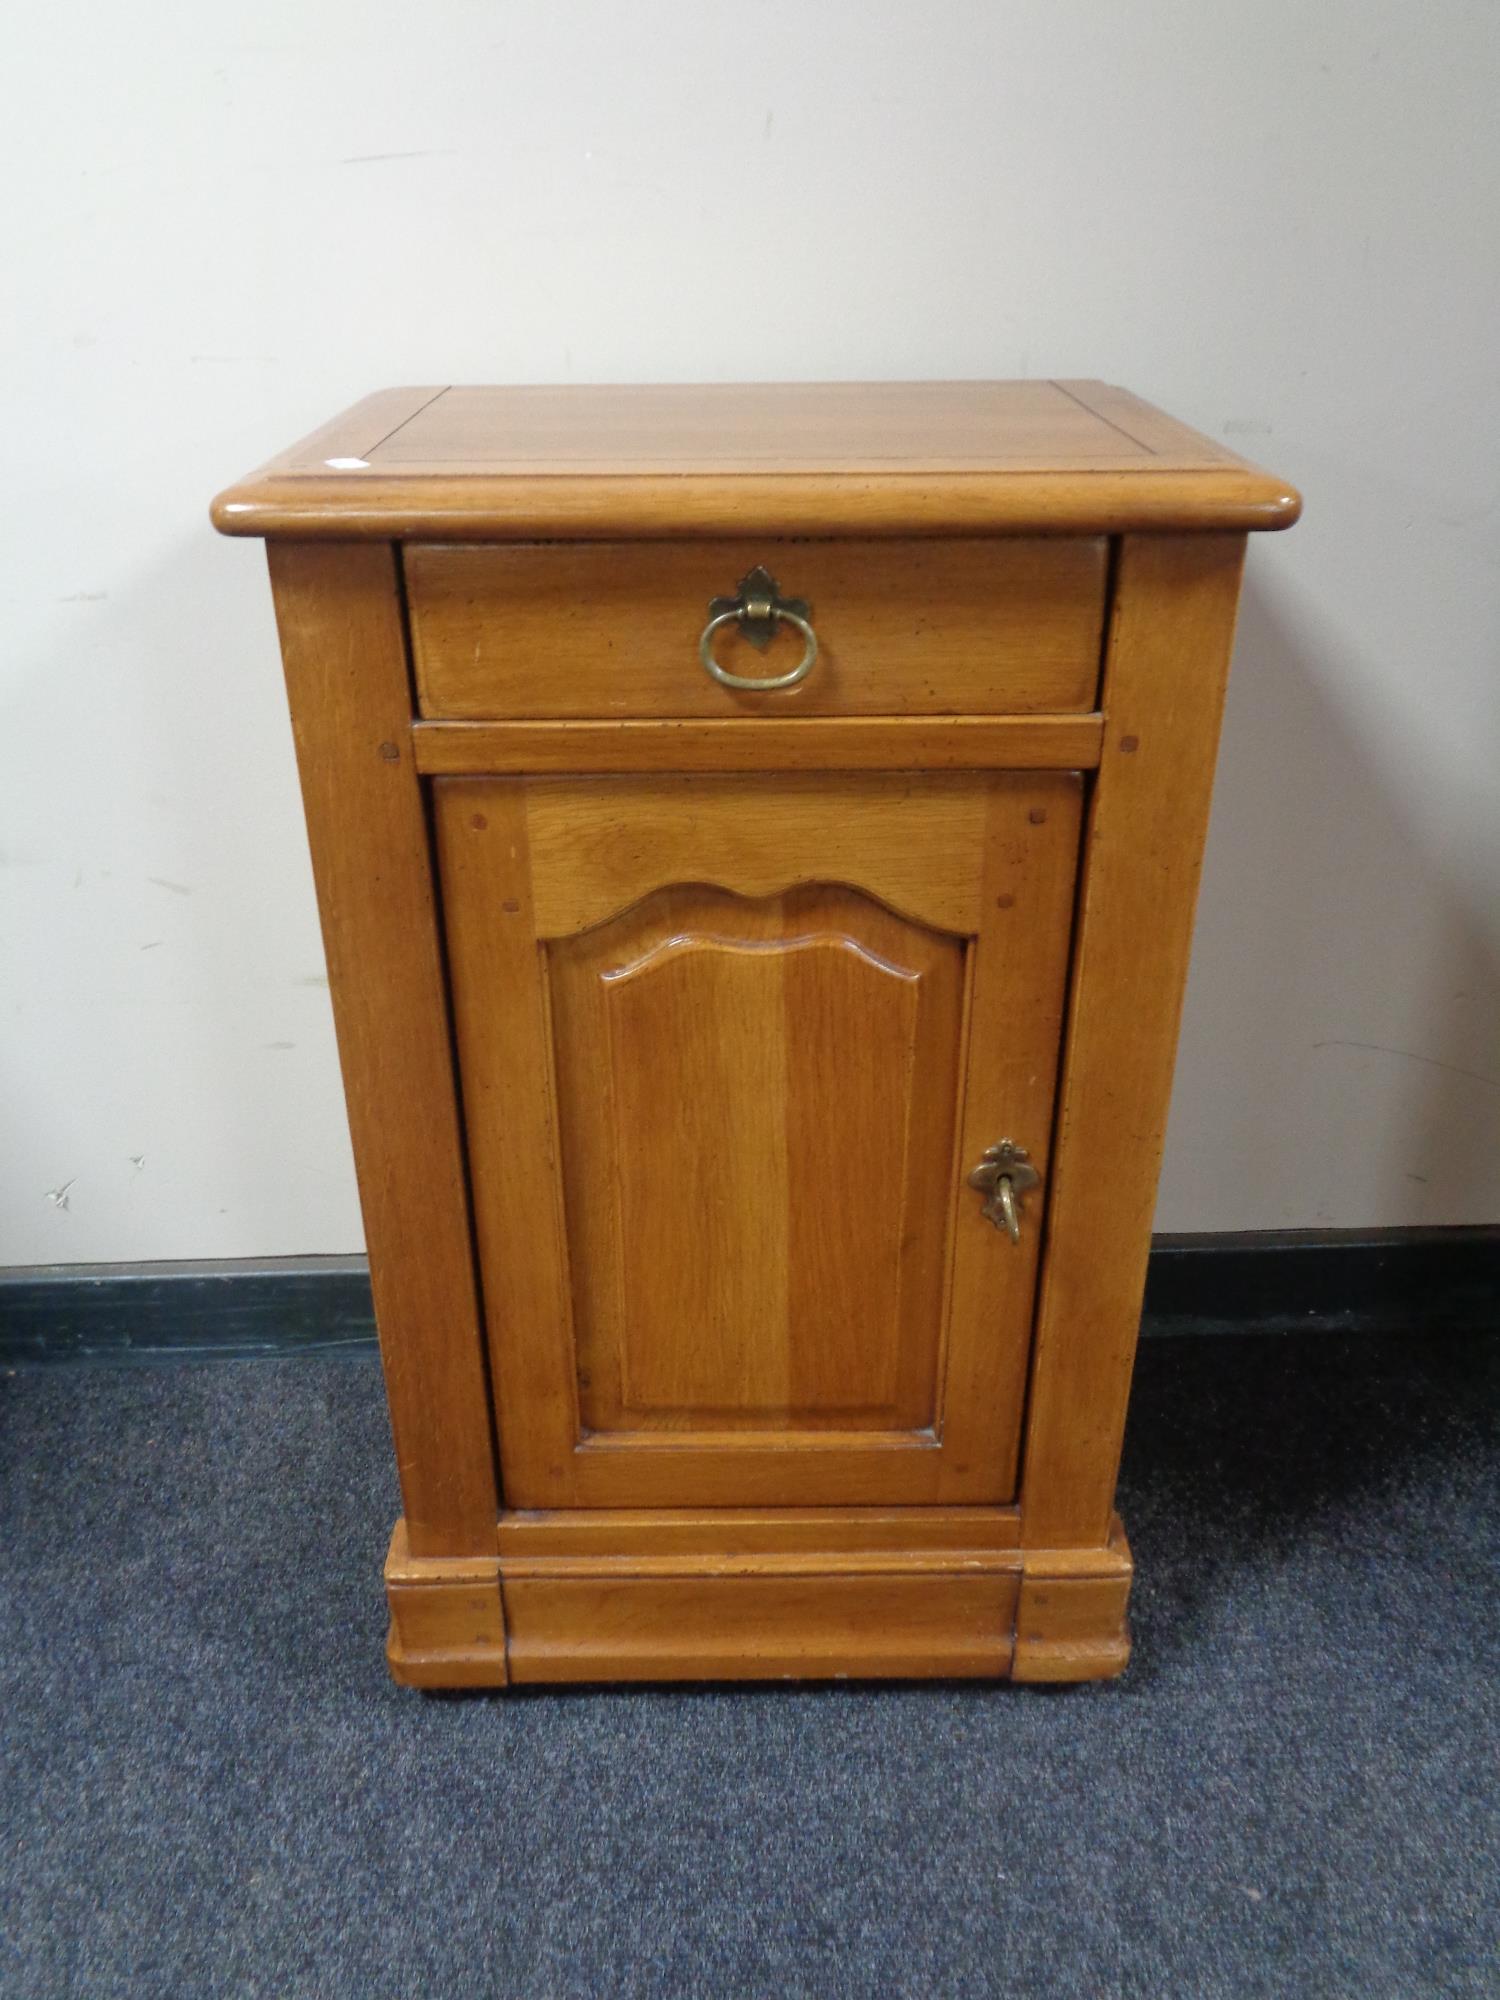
x=804, y=743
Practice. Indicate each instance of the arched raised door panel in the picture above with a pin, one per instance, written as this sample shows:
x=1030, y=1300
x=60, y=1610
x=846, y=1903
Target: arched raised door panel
x=759, y=1029
x=749, y=1249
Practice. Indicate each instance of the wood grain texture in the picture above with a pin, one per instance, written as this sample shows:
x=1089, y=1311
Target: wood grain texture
x=765, y=1338
x=749, y=1250
x=788, y=427
x=447, y=1618
x=505, y=1049
x=1162, y=437
x=813, y=1626
x=598, y=845
x=1020, y=972
x=338, y=612
x=612, y=629
x=669, y=1594
x=805, y=743
x=1166, y=665
x=742, y=985
x=1070, y=1613
x=610, y=1533
x=904, y=458
x=357, y=431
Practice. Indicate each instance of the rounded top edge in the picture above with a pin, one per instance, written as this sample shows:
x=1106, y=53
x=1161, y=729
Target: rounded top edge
x=369, y=504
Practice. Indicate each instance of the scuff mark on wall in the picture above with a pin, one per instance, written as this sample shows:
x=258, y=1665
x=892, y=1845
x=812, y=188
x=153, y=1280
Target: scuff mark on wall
x=1410, y=1055
x=374, y=159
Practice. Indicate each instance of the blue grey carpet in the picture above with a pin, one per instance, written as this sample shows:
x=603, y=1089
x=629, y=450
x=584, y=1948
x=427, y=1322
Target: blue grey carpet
x=210, y=1787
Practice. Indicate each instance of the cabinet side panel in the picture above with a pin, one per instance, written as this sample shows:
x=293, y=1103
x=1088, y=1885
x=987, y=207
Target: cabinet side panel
x=1171, y=630
x=339, y=616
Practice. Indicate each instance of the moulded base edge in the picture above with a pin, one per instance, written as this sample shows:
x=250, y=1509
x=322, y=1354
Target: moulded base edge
x=904, y=1598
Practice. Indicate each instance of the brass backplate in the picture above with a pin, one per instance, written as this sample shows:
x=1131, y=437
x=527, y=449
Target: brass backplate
x=755, y=603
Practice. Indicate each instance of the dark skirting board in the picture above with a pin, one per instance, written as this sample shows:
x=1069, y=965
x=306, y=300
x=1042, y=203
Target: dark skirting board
x=1415, y=1281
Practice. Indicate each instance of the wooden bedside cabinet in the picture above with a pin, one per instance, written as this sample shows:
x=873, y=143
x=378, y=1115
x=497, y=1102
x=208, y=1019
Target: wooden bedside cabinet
x=756, y=833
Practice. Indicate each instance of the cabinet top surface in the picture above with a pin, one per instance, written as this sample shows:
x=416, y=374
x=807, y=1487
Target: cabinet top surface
x=835, y=458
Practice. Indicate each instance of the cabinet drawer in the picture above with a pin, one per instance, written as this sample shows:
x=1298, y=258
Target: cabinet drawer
x=904, y=627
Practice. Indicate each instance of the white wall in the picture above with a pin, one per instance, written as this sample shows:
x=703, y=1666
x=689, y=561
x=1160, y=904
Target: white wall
x=1279, y=220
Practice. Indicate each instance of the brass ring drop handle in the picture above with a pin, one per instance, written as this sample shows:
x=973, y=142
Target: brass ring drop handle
x=726, y=679
x=758, y=609
x=1010, y=1215
x=1004, y=1174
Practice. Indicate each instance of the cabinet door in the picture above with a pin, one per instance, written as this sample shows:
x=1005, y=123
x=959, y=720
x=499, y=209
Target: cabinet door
x=729, y=1049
